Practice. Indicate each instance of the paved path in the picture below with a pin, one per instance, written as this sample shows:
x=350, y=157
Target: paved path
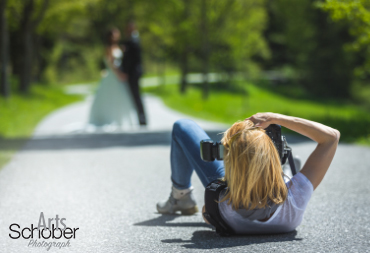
x=72, y=119
x=107, y=185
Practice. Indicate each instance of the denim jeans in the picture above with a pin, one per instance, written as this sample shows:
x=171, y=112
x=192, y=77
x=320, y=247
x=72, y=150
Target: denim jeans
x=185, y=156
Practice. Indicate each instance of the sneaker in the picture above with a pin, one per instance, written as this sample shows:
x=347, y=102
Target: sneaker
x=186, y=205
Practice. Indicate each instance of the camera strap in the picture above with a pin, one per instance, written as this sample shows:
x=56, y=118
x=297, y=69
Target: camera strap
x=212, y=214
x=291, y=163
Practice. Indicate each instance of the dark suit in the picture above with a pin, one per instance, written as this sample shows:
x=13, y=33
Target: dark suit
x=131, y=65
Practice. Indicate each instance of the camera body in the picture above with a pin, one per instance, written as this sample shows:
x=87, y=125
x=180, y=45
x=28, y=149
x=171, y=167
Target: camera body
x=210, y=150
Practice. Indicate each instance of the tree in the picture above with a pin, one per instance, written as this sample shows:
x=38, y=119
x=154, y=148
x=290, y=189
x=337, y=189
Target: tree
x=356, y=15
x=4, y=85
x=203, y=36
x=69, y=47
x=59, y=36
x=205, y=48
x=29, y=23
x=198, y=36
x=169, y=31
x=235, y=36
x=302, y=37
x=29, y=14
x=329, y=68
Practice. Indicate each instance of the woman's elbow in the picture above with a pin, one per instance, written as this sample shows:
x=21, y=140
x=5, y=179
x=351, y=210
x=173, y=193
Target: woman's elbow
x=334, y=135
x=337, y=135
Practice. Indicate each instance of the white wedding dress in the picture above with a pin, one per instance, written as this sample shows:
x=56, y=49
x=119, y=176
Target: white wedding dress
x=113, y=107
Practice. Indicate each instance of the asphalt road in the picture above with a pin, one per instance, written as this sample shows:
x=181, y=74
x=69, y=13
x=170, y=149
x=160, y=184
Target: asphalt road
x=107, y=186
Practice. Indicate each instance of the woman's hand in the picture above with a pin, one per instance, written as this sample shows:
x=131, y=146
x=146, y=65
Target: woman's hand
x=326, y=137
x=121, y=76
x=263, y=119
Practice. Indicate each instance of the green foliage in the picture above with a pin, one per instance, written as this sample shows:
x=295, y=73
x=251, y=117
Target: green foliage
x=237, y=34
x=356, y=14
x=19, y=114
x=71, y=32
x=228, y=106
x=71, y=58
x=291, y=31
x=241, y=36
x=302, y=36
x=234, y=29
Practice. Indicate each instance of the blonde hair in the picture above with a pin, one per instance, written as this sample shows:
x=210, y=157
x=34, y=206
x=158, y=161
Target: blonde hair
x=252, y=167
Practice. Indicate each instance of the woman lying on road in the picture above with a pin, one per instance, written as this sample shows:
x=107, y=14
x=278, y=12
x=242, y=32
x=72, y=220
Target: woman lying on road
x=257, y=200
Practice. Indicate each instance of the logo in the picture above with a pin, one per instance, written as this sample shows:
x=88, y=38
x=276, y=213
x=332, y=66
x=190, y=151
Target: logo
x=51, y=232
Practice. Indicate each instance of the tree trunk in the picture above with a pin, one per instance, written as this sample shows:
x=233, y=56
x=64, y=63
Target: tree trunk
x=185, y=51
x=184, y=71
x=4, y=48
x=205, y=57
x=161, y=68
x=25, y=71
x=28, y=27
x=25, y=79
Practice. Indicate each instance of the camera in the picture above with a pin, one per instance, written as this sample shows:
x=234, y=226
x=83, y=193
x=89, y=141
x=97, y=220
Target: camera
x=210, y=150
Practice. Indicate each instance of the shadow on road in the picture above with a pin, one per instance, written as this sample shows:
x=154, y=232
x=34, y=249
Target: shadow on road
x=164, y=220
x=210, y=240
x=89, y=141
x=106, y=140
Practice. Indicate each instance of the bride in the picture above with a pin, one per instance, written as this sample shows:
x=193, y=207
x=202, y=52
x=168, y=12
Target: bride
x=113, y=106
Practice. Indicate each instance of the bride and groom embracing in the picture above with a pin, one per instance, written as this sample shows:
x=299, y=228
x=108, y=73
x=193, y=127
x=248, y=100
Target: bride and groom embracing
x=117, y=103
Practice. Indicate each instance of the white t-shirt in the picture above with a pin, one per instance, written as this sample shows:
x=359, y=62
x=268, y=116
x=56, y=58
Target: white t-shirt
x=285, y=219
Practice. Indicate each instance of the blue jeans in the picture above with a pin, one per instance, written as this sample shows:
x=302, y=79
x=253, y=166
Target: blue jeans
x=185, y=156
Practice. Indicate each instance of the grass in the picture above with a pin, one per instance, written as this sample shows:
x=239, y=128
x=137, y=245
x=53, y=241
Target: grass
x=20, y=114
x=228, y=104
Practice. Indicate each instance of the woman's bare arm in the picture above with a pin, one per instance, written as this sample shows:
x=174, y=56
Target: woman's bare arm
x=326, y=137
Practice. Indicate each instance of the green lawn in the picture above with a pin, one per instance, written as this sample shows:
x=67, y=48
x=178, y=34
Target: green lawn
x=20, y=114
x=228, y=105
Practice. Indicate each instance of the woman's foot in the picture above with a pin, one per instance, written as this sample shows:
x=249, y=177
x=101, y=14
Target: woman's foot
x=179, y=200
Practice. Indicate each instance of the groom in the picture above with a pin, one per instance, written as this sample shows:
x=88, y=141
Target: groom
x=131, y=66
